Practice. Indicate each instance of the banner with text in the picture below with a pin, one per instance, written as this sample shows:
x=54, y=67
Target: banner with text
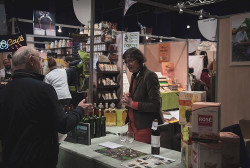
x=10, y=43
x=130, y=39
x=164, y=52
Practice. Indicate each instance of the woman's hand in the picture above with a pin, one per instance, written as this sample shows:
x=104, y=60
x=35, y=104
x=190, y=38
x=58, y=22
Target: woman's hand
x=127, y=100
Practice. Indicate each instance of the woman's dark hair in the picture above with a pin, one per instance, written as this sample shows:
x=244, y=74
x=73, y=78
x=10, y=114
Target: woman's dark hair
x=51, y=62
x=134, y=53
x=67, y=59
x=205, y=60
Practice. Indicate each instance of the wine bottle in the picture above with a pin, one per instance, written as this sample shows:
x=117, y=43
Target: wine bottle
x=92, y=125
x=113, y=114
x=97, y=121
x=107, y=114
x=124, y=114
x=155, y=138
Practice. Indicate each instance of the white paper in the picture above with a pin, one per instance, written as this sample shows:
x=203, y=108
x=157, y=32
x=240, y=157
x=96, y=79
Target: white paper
x=111, y=145
x=159, y=74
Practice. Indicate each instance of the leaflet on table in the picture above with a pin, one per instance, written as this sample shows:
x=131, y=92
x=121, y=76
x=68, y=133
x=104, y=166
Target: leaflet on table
x=111, y=145
x=148, y=161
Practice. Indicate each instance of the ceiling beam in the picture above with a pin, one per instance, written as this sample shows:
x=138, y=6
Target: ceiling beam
x=173, y=8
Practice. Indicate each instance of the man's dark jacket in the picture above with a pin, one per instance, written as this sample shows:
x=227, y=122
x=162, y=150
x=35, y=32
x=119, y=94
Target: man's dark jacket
x=30, y=119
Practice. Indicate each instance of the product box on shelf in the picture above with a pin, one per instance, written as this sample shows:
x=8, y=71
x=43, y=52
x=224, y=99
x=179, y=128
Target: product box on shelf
x=186, y=145
x=186, y=99
x=230, y=149
x=186, y=154
x=205, y=121
x=206, y=155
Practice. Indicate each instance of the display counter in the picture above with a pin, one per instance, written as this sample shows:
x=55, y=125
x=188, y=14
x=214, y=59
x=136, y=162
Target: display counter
x=169, y=100
x=77, y=156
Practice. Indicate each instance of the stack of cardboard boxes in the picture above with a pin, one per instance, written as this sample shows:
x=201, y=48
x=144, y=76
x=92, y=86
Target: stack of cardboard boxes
x=203, y=146
x=186, y=99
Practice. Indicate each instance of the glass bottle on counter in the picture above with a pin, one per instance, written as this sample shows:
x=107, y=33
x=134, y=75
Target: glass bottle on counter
x=113, y=114
x=124, y=114
x=107, y=113
x=155, y=138
x=103, y=120
x=97, y=121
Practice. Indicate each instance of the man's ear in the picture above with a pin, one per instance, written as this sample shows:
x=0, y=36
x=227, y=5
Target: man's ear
x=31, y=60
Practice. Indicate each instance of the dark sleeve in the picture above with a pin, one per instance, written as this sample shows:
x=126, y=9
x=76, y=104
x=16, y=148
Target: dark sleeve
x=68, y=76
x=63, y=122
x=153, y=90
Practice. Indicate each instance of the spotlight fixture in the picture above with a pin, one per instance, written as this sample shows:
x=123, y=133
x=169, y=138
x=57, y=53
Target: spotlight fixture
x=59, y=29
x=180, y=5
x=201, y=14
x=81, y=30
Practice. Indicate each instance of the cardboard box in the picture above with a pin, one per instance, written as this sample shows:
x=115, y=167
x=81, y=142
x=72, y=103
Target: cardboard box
x=206, y=155
x=230, y=150
x=186, y=154
x=205, y=121
x=186, y=99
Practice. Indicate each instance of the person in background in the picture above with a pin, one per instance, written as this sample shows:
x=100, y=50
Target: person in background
x=31, y=115
x=57, y=77
x=143, y=100
x=6, y=72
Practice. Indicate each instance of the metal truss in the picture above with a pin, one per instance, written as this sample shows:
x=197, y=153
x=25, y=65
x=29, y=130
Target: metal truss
x=194, y=3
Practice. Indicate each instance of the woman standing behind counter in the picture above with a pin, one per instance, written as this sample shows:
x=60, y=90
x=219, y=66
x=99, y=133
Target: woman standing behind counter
x=143, y=99
x=57, y=77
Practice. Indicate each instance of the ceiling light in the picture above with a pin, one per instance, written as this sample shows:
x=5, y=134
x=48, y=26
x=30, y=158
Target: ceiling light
x=180, y=5
x=201, y=14
x=160, y=40
x=146, y=37
x=81, y=31
x=59, y=29
x=188, y=26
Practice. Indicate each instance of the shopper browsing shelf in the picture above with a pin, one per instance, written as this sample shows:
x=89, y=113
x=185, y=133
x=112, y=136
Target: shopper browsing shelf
x=31, y=115
x=143, y=99
x=57, y=77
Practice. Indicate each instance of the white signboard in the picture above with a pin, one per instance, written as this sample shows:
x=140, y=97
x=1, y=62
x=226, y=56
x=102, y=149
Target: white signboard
x=208, y=28
x=82, y=9
x=130, y=39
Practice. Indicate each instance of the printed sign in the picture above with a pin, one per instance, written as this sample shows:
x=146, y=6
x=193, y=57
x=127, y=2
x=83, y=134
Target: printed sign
x=168, y=69
x=164, y=52
x=12, y=42
x=130, y=39
x=205, y=120
x=44, y=23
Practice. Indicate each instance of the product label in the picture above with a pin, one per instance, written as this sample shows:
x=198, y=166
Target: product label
x=205, y=120
x=194, y=157
x=154, y=125
x=155, y=141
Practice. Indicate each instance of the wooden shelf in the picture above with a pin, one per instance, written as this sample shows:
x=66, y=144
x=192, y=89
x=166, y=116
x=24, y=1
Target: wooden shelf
x=108, y=87
x=108, y=72
x=60, y=48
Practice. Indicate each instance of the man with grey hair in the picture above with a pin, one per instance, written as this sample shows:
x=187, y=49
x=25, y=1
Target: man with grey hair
x=31, y=115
